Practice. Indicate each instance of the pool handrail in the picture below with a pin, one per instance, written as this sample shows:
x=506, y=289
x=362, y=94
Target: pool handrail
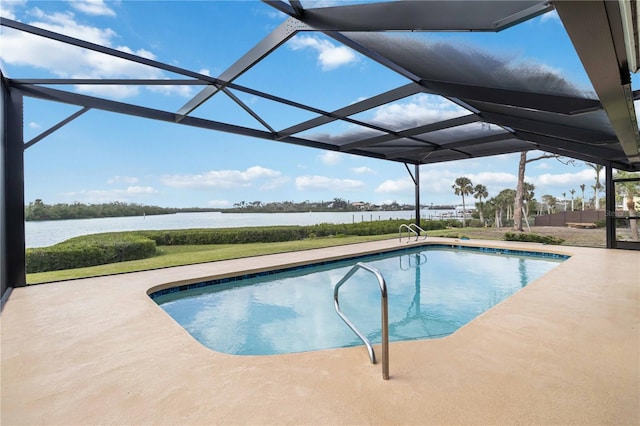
x=384, y=315
x=410, y=228
x=421, y=231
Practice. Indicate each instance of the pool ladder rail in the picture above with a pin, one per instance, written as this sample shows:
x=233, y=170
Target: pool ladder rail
x=412, y=228
x=384, y=315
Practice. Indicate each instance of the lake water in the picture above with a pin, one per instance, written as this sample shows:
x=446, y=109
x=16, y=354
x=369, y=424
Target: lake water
x=49, y=232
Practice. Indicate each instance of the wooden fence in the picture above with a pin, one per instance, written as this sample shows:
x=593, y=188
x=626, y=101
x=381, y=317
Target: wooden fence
x=562, y=218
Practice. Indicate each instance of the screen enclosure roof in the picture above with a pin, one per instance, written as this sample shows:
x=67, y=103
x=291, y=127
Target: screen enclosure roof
x=490, y=109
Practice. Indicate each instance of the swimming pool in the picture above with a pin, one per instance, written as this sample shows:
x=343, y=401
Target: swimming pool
x=433, y=290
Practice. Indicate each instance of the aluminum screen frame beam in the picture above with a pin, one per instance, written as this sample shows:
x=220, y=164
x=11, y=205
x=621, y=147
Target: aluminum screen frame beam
x=355, y=108
x=433, y=15
x=13, y=257
x=55, y=95
x=275, y=39
x=604, y=58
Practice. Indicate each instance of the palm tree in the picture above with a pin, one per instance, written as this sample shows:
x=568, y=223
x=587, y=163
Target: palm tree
x=463, y=186
x=572, y=192
x=480, y=193
x=564, y=200
x=528, y=196
x=582, y=187
x=550, y=202
x=504, y=200
x=598, y=168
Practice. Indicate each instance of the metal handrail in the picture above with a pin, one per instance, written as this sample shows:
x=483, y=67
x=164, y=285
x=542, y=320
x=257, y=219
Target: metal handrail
x=384, y=316
x=409, y=229
x=413, y=225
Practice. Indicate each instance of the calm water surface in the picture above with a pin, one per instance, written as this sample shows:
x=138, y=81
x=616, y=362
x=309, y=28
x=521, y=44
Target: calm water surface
x=46, y=233
x=432, y=293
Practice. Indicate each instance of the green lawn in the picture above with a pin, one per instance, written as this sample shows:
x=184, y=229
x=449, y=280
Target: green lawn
x=186, y=255
x=190, y=254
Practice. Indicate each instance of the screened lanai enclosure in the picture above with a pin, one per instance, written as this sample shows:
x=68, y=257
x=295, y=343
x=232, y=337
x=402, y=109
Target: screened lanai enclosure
x=490, y=107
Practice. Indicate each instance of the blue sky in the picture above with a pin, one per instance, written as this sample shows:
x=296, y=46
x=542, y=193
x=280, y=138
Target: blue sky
x=102, y=157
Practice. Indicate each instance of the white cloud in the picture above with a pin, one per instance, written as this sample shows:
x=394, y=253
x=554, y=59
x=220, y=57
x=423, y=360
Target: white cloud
x=275, y=183
x=122, y=179
x=141, y=190
x=493, y=178
x=92, y=7
x=550, y=16
x=104, y=196
x=310, y=183
x=225, y=179
x=566, y=179
x=330, y=56
x=363, y=170
x=331, y=158
x=438, y=179
x=391, y=186
x=34, y=125
x=7, y=8
x=219, y=203
x=542, y=166
x=417, y=110
x=66, y=61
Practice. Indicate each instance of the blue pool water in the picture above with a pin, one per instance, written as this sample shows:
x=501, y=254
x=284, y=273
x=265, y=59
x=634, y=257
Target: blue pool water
x=432, y=292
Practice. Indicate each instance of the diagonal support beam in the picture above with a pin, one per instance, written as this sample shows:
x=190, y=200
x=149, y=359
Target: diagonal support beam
x=367, y=104
x=249, y=110
x=276, y=38
x=56, y=127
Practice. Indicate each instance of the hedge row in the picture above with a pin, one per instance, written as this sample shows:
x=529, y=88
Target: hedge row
x=180, y=237
x=533, y=238
x=90, y=250
x=100, y=249
x=271, y=234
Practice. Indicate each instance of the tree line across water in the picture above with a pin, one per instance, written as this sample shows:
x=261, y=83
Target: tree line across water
x=39, y=210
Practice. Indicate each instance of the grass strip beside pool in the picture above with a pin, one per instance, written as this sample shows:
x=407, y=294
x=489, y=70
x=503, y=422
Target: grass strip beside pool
x=191, y=254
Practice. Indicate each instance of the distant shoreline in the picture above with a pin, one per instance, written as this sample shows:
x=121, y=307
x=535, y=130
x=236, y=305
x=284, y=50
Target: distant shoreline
x=95, y=212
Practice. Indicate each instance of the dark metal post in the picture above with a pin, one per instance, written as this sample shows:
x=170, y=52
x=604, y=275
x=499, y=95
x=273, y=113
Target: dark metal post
x=13, y=239
x=417, y=184
x=610, y=206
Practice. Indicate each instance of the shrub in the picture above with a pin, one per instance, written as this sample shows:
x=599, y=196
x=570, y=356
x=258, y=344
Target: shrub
x=475, y=223
x=226, y=235
x=100, y=249
x=600, y=223
x=533, y=238
x=89, y=250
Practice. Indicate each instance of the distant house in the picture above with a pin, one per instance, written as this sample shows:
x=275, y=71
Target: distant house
x=359, y=205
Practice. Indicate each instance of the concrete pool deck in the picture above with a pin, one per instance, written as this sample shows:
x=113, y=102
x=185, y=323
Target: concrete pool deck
x=564, y=350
